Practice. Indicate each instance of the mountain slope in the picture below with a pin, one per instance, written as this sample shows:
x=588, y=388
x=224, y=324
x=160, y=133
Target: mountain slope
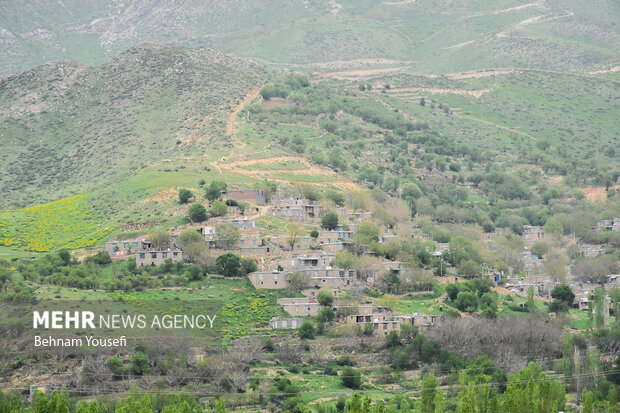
x=422, y=36
x=65, y=127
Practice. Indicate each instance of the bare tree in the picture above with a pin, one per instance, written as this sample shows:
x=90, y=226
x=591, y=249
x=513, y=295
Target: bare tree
x=510, y=341
x=246, y=350
x=289, y=353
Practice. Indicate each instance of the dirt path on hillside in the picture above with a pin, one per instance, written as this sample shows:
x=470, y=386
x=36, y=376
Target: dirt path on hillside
x=496, y=125
x=231, y=119
x=474, y=93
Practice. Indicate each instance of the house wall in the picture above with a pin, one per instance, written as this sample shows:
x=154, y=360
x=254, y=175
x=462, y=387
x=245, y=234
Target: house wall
x=157, y=257
x=300, y=306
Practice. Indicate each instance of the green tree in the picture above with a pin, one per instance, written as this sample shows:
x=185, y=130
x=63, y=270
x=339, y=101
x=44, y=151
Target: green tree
x=140, y=364
x=553, y=226
x=427, y=400
x=325, y=298
x=466, y=301
x=218, y=209
x=115, y=364
x=227, y=235
x=228, y=265
x=214, y=190
x=351, y=378
x=248, y=265
x=189, y=236
x=563, y=293
x=160, y=239
x=539, y=249
x=330, y=221
x=185, y=195
x=326, y=315
x=197, y=213
x=306, y=330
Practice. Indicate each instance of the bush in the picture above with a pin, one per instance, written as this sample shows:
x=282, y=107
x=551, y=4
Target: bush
x=139, y=364
x=197, y=213
x=115, y=364
x=466, y=301
x=326, y=315
x=330, y=221
x=228, y=265
x=351, y=378
x=248, y=265
x=306, y=331
x=325, y=298
x=185, y=195
x=563, y=293
x=314, y=234
x=344, y=361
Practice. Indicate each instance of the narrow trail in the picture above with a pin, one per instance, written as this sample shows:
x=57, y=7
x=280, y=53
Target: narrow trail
x=230, y=124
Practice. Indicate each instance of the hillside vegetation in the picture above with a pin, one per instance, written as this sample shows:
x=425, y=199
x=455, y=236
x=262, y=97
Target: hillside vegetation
x=67, y=128
x=329, y=36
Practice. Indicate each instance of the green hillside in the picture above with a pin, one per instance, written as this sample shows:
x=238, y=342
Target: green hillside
x=422, y=36
x=67, y=128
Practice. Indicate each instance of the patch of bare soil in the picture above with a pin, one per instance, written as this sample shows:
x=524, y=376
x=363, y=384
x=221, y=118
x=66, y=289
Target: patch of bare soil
x=596, y=193
x=162, y=196
x=612, y=70
x=275, y=102
x=479, y=73
x=362, y=73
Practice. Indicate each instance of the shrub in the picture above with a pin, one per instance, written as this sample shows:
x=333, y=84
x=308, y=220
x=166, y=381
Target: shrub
x=466, y=301
x=185, y=195
x=139, y=364
x=228, y=264
x=306, y=331
x=325, y=298
x=351, y=378
x=330, y=221
x=326, y=315
x=197, y=213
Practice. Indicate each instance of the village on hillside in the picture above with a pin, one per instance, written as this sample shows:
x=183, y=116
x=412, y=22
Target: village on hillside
x=326, y=255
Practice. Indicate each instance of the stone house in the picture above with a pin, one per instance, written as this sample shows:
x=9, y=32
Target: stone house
x=305, y=261
x=532, y=234
x=296, y=209
x=285, y=323
x=317, y=278
x=301, y=243
x=300, y=307
x=156, y=257
x=255, y=196
x=122, y=249
x=337, y=236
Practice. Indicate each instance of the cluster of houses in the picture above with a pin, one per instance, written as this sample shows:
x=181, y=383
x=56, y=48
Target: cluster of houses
x=304, y=262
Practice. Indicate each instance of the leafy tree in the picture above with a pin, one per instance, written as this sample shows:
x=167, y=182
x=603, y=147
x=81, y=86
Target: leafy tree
x=554, y=226
x=466, y=301
x=227, y=235
x=429, y=386
x=115, y=364
x=197, y=213
x=366, y=236
x=248, y=265
x=189, y=236
x=345, y=260
x=314, y=234
x=218, y=209
x=351, y=378
x=325, y=298
x=214, y=190
x=539, y=249
x=228, y=264
x=422, y=102
x=185, y=195
x=160, y=239
x=470, y=268
x=306, y=330
x=65, y=256
x=563, y=293
x=139, y=364
x=330, y=221
x=461, y=249
x=326, y=315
